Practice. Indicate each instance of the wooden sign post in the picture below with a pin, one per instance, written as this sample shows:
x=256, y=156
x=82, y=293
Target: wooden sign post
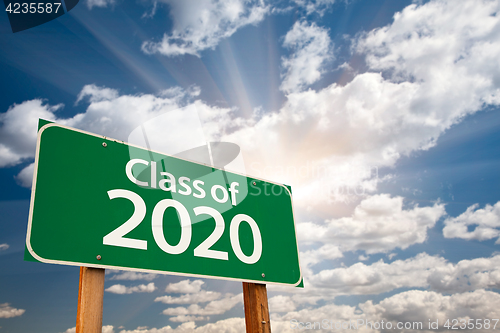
x=91, y=294
x=256, y=308
x=90, y=299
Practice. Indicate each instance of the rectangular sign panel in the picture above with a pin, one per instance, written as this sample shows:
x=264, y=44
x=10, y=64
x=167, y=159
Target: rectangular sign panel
x=100, y=202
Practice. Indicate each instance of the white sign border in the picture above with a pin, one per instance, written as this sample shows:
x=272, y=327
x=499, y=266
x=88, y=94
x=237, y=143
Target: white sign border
x=70, y=263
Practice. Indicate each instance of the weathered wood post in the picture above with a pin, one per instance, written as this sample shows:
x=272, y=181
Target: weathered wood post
x=90, y=299
x=256, y=308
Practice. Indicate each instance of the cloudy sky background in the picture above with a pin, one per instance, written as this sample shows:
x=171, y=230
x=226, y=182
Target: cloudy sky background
x=381, y=115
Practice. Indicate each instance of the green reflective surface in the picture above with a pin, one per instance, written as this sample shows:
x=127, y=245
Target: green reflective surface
x=71, y=211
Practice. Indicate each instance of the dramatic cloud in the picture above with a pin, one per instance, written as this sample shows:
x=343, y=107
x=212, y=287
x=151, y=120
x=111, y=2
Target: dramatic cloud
x=432, y=66
x=315, y=6
x=118, y=116
x=310, y=258
x=337, y=313
x=185, y=287
x=413, y=308
x=422, y=306
x=6, y=311
x=184, y=328
x=193, y=294
x=18, y=130
x=96, y=94
x=183, y=318
x=486, y=221
x=99, y=3
x=199, y=297
x=121, y=289
x=442, y=45
x=202, y=24
x=114, y=116
x=105, y=329
x=435, y=64
x=231, y=325
x=422, y=271
x=19, y=124
x=4, y=246
x=216, y=307
x=25, y=177
x=378, y=277
x=281, y=303
x=466, y=275
x=378, y=224
x=132, y=276
x=311, y=49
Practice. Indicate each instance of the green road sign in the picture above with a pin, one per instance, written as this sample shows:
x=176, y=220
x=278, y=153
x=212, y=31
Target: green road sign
x=100, y=202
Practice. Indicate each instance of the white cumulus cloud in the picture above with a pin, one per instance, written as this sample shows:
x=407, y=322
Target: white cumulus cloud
x=96, y=94
x=192, y=294
x=486, y=223
x=25, y=177
x=216, y=307
x=132, y=276
x=315, y=6
x=4, y=246
x=185, y=287
x=422, y=271
x=311, y=50
x=99, y=3
x=183, y=318
x=109, y=114
x=310, y=258
x=428, y=69
x=202, y=24
x=198, y=297
x=121, y=289
x=230, y=325
x=6, y=311
x=378, y=224
x=105, y=329
x=378, y=277
x=18, y=130
x=414, y=307
x=183, y=328
x=466, y=275
x=420, y=306
x=281, y=303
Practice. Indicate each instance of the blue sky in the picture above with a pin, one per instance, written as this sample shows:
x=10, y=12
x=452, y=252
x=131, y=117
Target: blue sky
x=381, y=115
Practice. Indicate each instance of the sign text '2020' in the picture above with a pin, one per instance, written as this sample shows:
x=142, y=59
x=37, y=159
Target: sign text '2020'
x=117, y=236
